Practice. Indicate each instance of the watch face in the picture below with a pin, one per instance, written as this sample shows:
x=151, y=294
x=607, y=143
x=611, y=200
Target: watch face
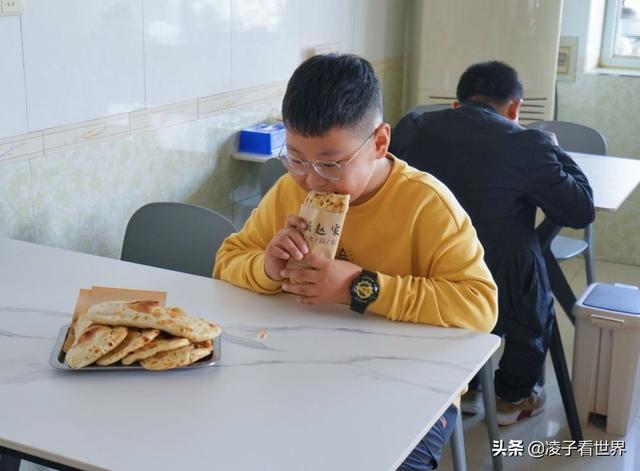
x=365, y=290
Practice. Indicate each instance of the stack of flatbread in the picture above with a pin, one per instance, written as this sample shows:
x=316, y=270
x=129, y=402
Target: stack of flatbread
x=157, y=337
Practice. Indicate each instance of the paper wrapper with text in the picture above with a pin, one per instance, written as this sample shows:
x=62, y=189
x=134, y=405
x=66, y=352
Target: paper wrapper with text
x=324, y=213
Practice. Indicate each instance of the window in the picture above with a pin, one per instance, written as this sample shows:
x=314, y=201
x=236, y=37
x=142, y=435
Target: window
x=621, y=34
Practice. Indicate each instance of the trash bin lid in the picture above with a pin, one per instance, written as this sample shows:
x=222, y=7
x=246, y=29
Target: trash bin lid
x=614, y=298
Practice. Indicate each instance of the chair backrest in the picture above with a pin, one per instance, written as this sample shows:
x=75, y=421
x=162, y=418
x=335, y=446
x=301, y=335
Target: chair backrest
x=176, y=236
x=271, y=171
x=428, y=108
x=574, y=137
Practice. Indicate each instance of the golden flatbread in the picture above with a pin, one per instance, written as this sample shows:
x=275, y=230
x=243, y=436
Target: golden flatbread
x=150, y=315
x=135, y=340
x=201, y=350
x=155, y=346
x=179, y=357
x=198, y=354
x=95, y=342
x=81, y=307
x=169, y=359
x=331, y=202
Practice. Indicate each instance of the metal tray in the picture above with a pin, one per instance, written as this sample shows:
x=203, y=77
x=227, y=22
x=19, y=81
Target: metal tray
x=56, y=359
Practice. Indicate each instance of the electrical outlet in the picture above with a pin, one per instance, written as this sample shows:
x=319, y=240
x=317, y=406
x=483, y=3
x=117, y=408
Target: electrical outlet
x=11, y=7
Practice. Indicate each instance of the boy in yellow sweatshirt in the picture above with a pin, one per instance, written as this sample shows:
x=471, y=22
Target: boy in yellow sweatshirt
x=407, y=249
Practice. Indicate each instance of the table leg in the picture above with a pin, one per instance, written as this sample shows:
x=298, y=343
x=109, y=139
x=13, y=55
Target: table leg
x=564, y=382
x=546, y=231
x=563, y=293
x=559, y=285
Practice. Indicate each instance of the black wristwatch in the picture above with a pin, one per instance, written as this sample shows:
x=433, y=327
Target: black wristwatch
x=364, y=290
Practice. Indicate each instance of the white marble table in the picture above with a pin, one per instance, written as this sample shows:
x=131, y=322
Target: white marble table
x=327, y=389
x=613, y=179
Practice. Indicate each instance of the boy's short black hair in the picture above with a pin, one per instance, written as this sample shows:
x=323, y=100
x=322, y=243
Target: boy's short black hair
x=493, y=82
x=328, y=91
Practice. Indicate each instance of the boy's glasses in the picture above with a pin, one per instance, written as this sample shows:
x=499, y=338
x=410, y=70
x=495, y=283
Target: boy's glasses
x=329, y=169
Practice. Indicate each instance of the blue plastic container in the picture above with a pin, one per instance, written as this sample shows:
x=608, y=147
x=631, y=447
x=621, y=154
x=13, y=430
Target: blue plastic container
x=262, y=139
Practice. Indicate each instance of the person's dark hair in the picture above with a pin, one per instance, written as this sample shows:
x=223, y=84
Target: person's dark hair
x=492, y=82
x=330, y=91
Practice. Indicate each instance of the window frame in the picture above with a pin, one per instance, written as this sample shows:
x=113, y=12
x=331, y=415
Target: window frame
x=607, y=56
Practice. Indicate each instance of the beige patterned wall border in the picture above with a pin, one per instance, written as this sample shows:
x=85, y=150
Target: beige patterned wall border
x=23, y=147
x=73, y=135
x=208, y=106
x=164, y=116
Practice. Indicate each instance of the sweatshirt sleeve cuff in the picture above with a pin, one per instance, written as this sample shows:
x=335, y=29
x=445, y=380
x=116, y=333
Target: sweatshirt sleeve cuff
x=384, y=304
x=261, y=277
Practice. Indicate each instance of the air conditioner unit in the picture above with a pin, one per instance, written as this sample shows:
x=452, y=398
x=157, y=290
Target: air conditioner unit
x=447, y=36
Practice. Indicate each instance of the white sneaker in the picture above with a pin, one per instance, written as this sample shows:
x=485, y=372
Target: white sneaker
x=510, y=412
x=471, y=402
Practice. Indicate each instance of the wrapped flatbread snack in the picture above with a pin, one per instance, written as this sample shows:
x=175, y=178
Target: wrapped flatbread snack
x=324, y=213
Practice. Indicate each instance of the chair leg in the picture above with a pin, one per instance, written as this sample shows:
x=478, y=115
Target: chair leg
x=589, y=255
x=457, y=446
x=490, y=415
x=564, y=382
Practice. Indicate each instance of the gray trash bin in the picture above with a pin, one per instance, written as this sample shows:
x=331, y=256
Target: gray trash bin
x=606, y=351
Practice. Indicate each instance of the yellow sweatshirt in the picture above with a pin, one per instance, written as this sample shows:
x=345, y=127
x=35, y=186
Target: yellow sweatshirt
x=412, y=232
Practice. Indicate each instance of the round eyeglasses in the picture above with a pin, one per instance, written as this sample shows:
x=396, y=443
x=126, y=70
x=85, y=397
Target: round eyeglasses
x=329, y=169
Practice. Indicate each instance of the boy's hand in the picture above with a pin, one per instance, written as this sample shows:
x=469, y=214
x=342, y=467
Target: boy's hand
x=287, y=244
x=328, y=281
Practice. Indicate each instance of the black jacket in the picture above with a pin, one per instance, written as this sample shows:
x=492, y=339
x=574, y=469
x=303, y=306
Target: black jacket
x=500, y=172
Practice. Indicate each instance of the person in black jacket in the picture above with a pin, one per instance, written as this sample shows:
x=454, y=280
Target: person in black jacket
x=501, y=172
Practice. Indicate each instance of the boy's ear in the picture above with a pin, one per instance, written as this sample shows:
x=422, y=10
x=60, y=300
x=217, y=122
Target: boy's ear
x=513, y=110
x=381, y=140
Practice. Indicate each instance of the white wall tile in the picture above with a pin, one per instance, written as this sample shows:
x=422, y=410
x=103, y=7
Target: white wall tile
x=13, y=114
x=379, y=29
x=187, y=49
x=264, y=41
x=320, y=23
x=83, y=59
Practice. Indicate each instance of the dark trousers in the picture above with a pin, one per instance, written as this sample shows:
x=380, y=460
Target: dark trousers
x=427, y=453
x=525, y=350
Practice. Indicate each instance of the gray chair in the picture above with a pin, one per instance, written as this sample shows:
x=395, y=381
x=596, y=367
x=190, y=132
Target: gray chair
x=271, y=171
x=575, y=138
x=176, y=236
